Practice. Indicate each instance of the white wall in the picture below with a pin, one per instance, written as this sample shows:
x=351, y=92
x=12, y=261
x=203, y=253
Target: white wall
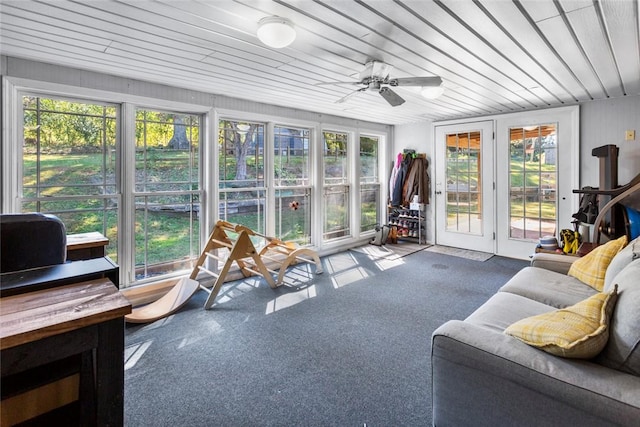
x=605, y=122
x=419, y=137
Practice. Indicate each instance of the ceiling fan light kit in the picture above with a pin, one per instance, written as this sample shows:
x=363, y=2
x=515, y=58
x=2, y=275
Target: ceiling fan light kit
x=432, y=92
x=276, y=32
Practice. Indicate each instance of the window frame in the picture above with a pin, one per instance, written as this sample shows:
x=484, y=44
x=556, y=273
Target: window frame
x=39, y=198
x=308, y=188
x=348, y=180
x=13, y=91
x=377, y=183
x=132, y=193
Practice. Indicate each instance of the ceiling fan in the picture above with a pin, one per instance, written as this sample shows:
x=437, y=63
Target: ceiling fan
x=375, y=77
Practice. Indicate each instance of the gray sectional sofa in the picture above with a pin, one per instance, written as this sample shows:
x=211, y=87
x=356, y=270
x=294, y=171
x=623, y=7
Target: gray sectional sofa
x=483, y=377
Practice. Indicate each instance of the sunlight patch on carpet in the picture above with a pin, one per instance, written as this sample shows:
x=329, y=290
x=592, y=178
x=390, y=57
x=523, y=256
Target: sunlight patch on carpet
x=287, y=300
x=347, y=277
x=460, y=253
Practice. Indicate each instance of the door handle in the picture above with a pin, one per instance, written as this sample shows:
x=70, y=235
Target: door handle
x=438, y=192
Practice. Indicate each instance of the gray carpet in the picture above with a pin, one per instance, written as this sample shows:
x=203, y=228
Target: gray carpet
x=344, y=348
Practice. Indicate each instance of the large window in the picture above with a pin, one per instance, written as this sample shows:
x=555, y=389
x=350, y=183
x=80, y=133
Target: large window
x=167, y=192
x=69, y=165
x=292, y=184
x=369, y=183
x=336, y=191
x=242, y=190
x=72, y=168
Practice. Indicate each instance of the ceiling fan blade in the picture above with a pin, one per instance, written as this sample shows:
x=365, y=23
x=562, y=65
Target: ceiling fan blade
x=391, y=97
x=337, y=83
x=349, y=95
x=416, y=81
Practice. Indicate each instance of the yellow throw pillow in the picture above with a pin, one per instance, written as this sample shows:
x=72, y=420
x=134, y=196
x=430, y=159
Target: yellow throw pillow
x=580, y=331
x=591, y=268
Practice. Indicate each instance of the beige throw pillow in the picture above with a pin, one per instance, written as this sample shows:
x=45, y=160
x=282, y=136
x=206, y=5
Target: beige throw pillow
x=592, y=267
x=580, y=331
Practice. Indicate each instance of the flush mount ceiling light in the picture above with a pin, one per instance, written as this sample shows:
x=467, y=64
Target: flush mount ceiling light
x=243, y=128
x=276, y=32
x=432, y=92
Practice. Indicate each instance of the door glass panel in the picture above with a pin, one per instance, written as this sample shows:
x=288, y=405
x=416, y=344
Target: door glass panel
x=532, y=181
x=464, y=183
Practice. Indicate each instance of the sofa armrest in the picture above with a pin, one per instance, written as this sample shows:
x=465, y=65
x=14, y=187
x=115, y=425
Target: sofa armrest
x=554, y=262
x=482, y=377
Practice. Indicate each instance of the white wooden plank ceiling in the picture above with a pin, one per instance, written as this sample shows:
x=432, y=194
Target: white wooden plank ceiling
x=494, y=56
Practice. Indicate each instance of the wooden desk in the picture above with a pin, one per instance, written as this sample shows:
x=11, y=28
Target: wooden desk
x=87, y=319
x=86, y=246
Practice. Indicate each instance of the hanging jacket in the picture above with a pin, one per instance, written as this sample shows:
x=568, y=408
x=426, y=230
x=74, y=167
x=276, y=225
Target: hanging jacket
x=397, y=200
x=394, y=175
x=417, y=182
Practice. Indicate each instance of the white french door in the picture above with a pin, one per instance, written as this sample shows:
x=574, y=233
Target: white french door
x=464, y=186
x=537, y=164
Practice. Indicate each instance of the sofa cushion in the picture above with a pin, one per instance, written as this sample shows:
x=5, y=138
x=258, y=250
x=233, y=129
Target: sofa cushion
x=592, y=267
x=621, y=260
x=623, y=349
x=580, y=331
x=560, y=263
x=503, y=309
x=548, y=287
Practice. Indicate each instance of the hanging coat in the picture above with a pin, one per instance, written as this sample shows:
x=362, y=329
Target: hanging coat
x=394, y=175
x=417, y=182
x=399, y=184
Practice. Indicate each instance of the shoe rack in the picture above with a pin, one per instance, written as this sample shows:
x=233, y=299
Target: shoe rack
x=410, y=224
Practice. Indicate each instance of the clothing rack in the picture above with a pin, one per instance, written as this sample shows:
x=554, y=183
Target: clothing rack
x=409, y=178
